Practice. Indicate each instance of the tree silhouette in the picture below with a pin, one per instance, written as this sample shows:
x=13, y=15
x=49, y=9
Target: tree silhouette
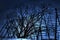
x=24, y=24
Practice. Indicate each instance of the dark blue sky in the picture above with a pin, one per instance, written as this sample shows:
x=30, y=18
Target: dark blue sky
x=6, y=4
x=13, y=4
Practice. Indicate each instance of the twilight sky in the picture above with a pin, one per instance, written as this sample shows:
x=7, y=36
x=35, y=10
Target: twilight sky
x=13, y=4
